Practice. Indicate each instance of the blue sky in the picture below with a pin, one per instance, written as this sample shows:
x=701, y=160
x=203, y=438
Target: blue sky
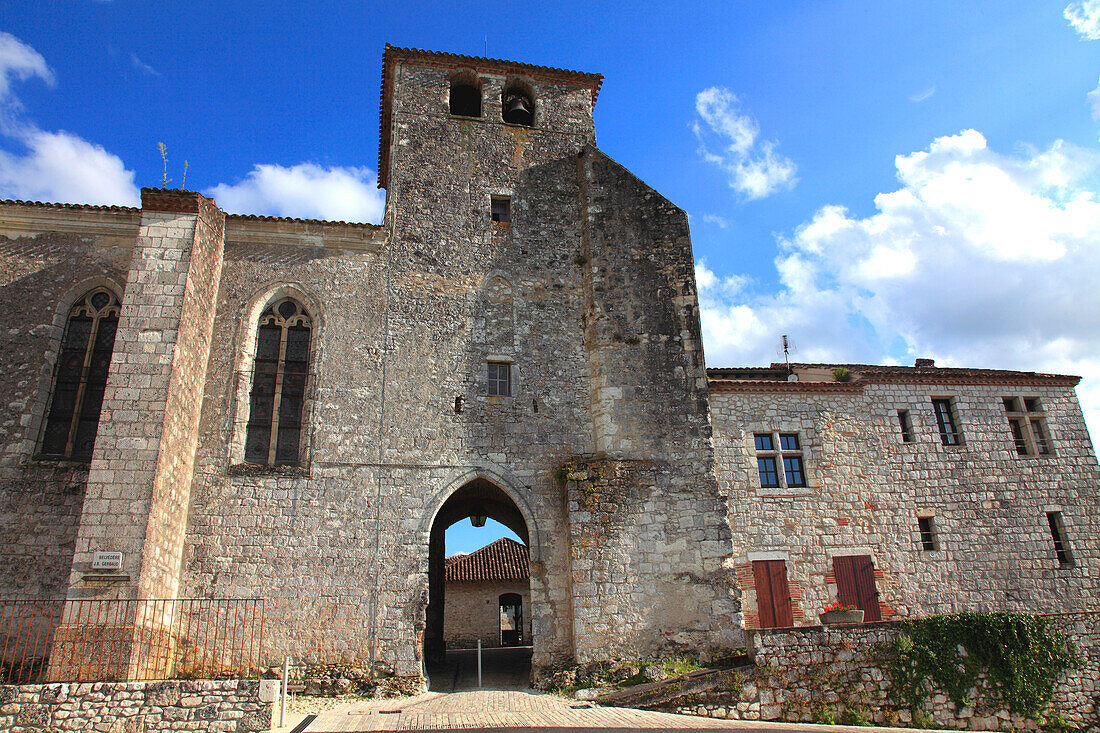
x=878, y=180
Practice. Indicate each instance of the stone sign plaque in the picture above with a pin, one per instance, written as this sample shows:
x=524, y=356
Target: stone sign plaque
x=107, y=561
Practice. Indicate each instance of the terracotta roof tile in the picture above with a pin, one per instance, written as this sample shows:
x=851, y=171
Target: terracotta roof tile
x=504, y=559
x=90, y=207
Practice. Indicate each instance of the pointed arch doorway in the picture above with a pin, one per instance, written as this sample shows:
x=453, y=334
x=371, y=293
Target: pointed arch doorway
x=503, y=667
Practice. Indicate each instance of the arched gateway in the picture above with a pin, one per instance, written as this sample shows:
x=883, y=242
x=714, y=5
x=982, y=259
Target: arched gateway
x=477, y=497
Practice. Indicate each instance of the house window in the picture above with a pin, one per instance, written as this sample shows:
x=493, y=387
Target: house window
x=278, y=385
x=768, y=460
x=1058, y=534
x=500, y=379
x=81, y=377
x=1028, y=425
x=945, y=420
x=906, y=426
x=927, y=534
x=501, y=209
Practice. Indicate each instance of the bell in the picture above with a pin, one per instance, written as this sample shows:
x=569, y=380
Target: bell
x=517, y=110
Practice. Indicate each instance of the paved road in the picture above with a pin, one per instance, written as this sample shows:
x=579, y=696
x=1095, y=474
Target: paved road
x=501, y=669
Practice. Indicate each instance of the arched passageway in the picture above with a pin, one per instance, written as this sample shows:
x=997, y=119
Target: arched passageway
x=446, y=671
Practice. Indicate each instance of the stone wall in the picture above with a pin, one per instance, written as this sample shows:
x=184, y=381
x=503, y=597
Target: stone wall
x=140, y=479
x=833, y=674
x=134, y=707
x=50, y=256
x=472, y=612
x=866, y=488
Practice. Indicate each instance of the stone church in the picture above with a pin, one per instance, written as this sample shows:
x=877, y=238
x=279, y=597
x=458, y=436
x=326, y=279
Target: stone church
x=247, y=406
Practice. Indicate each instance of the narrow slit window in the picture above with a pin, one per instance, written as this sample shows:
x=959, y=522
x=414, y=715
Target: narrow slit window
x=1058, y=535
x=500, y=379
x=279, y=378
x=501, y=209
x=81, y=377
x=927, y=534
x=906, y=426
x=945, y=421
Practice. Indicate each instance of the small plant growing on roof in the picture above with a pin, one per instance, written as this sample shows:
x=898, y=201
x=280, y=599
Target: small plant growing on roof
x=164, y=157
x=841, y=374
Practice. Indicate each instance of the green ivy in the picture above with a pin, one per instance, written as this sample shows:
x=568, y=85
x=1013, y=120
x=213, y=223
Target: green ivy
x=1020, y=655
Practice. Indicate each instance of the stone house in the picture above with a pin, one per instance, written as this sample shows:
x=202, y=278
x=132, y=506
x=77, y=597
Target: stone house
x=905, y=490
x=246, y=406
x=488, y=597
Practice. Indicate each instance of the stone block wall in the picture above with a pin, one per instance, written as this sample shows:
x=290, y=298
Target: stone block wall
x=134, y=707
x=140, y=479
x=815, y=674
x=648, y=576
x=472, y=612
x=866, y=488
x=50, y=256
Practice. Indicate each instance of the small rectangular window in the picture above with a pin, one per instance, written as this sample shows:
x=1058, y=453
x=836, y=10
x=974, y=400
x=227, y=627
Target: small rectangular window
x=769, y=474
x=945, y=421
x=927, y=534
x=500, y=379
x=1058, y=534
x=906, y=426
x=792, y=471
x=763, y=441
x=789, y=441
x=501, y=209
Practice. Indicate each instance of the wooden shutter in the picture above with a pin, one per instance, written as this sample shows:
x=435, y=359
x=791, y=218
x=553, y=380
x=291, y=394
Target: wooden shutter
x=855, y=584
x=773, y=596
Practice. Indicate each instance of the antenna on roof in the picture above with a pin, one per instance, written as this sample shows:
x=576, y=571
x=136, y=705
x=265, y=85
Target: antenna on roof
x=788, y=347
x=485, y=53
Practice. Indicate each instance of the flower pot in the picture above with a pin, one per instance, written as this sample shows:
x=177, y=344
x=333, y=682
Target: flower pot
x=842, y=617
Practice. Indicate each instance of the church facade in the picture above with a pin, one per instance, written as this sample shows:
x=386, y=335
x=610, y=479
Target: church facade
x=296, y=410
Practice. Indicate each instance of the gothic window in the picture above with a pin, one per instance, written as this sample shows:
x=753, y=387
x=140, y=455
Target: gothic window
x=278, y=385
x=81, y=377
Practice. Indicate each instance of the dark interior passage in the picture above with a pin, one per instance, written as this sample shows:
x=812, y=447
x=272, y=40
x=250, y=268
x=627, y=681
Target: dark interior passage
x=478, y=498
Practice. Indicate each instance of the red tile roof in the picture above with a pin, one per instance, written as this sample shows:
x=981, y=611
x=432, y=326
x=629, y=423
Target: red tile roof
x=504, y=559
x=393, y=55
x=774, y=378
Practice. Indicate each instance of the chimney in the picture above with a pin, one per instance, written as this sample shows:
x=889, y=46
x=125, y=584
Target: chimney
x=925, y=363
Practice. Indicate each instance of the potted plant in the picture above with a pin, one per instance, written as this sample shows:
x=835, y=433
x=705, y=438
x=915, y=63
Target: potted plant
x=839, y=613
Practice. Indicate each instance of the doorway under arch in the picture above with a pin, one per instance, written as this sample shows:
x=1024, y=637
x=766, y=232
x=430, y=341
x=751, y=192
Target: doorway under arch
x=479, y=497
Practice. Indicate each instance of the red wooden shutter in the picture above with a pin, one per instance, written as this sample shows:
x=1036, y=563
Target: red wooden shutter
x=855, y=584
x=773, y=596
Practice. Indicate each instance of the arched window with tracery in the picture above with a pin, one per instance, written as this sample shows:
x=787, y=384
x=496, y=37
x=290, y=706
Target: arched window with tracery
x=81, y=377
x=278, y=385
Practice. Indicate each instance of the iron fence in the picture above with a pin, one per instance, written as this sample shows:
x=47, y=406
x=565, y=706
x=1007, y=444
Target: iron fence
x=133, y=640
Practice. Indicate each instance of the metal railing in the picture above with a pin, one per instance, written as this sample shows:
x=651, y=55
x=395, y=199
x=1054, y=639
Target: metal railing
x=130, y=640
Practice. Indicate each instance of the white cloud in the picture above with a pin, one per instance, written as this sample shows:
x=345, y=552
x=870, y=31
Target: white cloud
x=307, y=191
x=51, y=166
x=18, y=61
x=978, y=259
x=63, y=168
x=718, y=221
x=1084, y=16
x=1093, y=98
x=754, y=168
x=923, y=94
x=142, y=66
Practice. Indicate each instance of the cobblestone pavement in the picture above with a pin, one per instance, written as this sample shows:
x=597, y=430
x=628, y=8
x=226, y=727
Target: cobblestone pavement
x=524, y=709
